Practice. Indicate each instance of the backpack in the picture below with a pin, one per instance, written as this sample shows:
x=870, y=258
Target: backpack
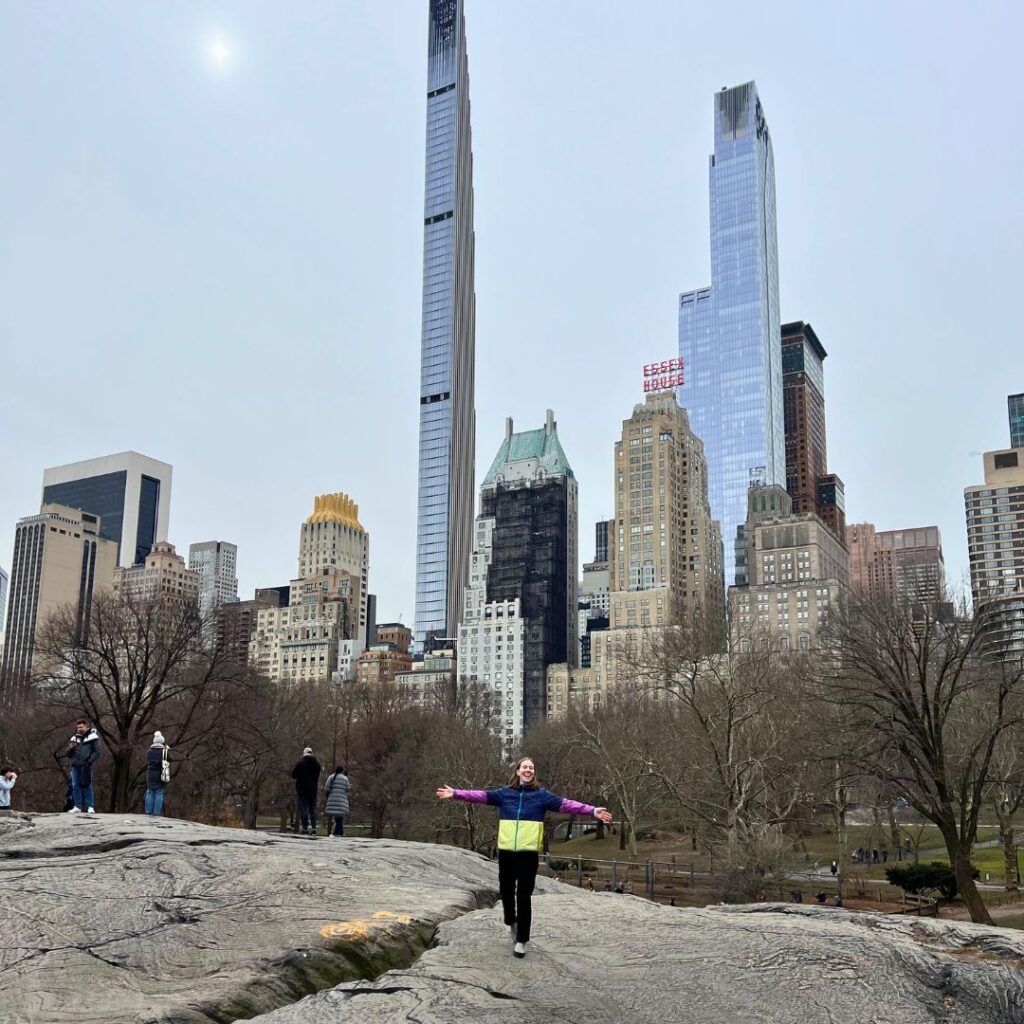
x=165, y=766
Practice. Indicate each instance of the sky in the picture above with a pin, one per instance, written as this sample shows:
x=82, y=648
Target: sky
x=211, y=243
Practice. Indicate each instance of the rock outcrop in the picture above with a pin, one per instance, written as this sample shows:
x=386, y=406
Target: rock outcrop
x=154, y=921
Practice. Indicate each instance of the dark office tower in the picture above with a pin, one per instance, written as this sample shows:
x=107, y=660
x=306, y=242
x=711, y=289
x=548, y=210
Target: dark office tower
x=520, y=605
x=1015, y=406
x=810, y=485
x=444, y=525
x=601, y=540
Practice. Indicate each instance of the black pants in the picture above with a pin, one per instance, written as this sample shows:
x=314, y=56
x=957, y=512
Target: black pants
x=339, y=825
x=307, y=810
x=517, y=871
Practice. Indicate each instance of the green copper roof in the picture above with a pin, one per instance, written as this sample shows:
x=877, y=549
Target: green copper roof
x=542, y=445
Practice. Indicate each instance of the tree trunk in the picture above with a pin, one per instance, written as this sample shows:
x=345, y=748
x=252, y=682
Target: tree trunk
x=622, y=834
x=119, y=779
x=968, y=890
x=1009, y=857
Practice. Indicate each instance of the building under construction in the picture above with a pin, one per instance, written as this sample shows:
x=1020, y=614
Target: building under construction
x=520, y=608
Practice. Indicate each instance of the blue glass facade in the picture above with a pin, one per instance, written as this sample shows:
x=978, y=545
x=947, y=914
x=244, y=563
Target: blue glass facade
x=1015, y=405
x=729, y=334
x=447, y=438
x=103, y=496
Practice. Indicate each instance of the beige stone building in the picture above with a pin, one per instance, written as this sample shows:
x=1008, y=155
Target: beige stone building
x=60, y=559
x=163, y=576
x=798, y=570
x=317, y=635
x=333, y=537
x=427, y=681
x=664, y=550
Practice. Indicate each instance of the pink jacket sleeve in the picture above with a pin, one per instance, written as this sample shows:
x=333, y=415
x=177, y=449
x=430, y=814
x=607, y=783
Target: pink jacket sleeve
x=472, y=796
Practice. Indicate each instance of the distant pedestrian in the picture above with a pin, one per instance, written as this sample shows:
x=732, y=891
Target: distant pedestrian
x=885, y=855
x=589, y=885
x=336, y=799
x=874, y=856
x=619, y=889
x=522, y=805
x=834, y=869
x=83, y=752
x=607, y=887
x=8, y=777
x=158, y=774
x=306, y=774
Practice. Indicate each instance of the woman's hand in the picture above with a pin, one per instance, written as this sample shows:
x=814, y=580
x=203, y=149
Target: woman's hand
x=601, y=813
x=446, y=793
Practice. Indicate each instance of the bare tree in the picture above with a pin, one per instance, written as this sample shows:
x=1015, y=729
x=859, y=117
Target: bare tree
x=138, y=667
x=926, y=713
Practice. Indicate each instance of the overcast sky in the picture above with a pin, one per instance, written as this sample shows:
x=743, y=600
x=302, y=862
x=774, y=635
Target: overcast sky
x=211, y=243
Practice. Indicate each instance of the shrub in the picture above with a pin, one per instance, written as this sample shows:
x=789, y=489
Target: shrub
x=925, y=878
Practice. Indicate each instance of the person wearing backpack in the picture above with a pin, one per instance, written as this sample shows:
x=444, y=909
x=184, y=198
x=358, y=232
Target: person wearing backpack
x=336, y=799
x=158, y=774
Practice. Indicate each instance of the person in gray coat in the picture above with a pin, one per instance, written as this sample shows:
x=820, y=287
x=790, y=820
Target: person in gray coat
x=336, y=799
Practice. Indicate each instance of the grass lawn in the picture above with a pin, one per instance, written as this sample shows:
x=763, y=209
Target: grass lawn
x=823, y=848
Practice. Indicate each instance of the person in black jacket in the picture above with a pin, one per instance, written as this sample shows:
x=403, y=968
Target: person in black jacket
x=156, y=756
x=83, y=752
x=307, y=783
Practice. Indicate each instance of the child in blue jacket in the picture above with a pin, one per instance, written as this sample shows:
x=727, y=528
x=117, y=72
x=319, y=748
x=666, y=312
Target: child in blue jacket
x=521, y=805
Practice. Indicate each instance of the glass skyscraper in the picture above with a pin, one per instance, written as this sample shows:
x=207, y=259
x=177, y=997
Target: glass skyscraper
x=729, y=334
x=444, y=528
x=1015, y=407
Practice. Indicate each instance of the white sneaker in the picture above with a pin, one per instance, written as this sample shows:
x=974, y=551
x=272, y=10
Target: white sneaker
x=519, y=951
x=73, y=810
x=92, y=810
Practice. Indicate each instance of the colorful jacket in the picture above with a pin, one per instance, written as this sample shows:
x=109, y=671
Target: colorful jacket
x=521, y=813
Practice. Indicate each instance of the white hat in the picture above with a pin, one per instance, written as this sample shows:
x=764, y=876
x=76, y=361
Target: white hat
x=307, y=750
x=158, y=737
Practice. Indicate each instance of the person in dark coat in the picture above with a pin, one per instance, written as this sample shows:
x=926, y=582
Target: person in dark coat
x=307, y=782
x=157, y=755
x=336, y=799
x=83, y=752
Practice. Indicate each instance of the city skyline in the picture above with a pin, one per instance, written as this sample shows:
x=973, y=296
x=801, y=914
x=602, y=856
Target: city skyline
x=239, y=232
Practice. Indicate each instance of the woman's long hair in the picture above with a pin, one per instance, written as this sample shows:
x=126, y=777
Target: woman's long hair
x=514, y=780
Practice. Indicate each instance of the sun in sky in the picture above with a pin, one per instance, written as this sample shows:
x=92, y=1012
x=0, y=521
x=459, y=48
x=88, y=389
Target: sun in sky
x=220, y=53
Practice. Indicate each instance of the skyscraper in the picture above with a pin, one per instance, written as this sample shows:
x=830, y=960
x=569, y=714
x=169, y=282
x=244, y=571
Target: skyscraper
x=444, y=524
x=520, y=605
x=729, y=334
x=3, y=597
x=1015, y=408
x=129, y=492
x=216, y=561
x=995, y=545
x=61, y=558
x=810, y=485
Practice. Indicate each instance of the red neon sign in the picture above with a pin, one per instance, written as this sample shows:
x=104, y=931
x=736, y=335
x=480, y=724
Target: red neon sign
x=663, y=375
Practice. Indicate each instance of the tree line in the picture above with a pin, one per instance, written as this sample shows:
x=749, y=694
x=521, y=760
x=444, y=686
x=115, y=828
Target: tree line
x=898, y=706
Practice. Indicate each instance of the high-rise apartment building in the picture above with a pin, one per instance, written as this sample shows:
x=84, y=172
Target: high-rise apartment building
x=333, y=536
x=797, y=571
x=61, y=558
x=903, y=565
x=320, y=633
x=216, y=561
x=237, y=621
x=810, y=485
x=447, y=440
x=995, y=545
x=1015, y=409
x=665, y=549
x=729, y=334
x=129, y=492
x=4, y=580
x=381, y=663
x=520, y=604
x=163, y=577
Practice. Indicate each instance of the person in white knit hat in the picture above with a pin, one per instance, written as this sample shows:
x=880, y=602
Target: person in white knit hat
x=158, y=774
